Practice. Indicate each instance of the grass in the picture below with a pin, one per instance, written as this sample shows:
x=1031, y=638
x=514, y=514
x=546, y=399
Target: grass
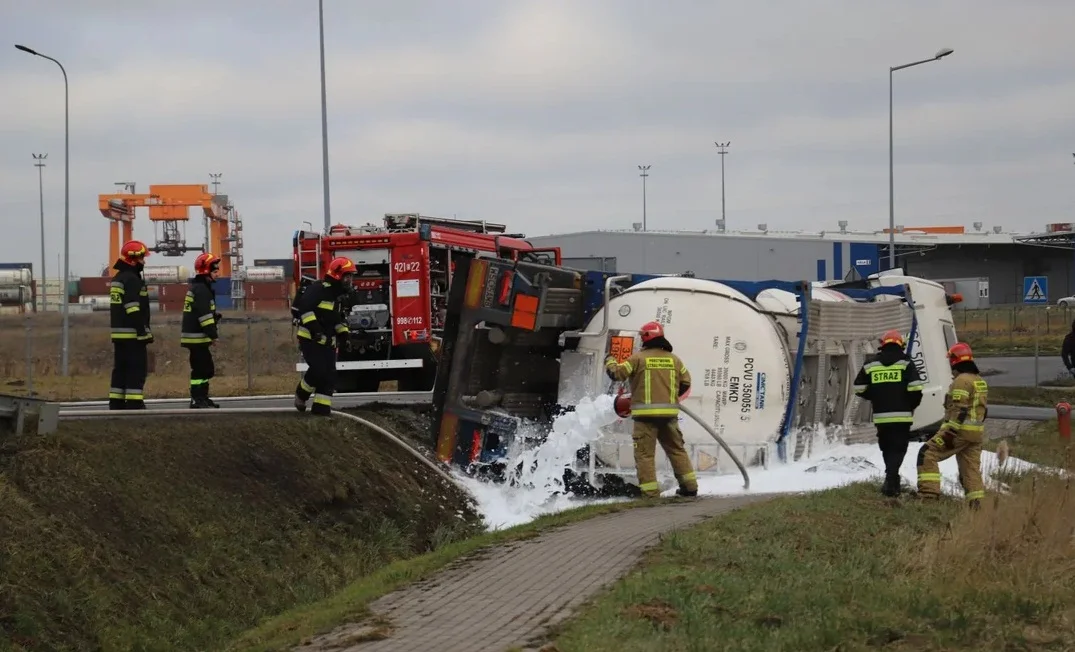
x=845, y=570
x=1010, y=330
x=266, y=359
x=352, y=604
x=1040, y=444
x=120, y=537
x=1029, y=396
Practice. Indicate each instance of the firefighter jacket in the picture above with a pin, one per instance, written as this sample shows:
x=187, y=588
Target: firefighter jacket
x=891, y=383
x=200, y=317
x=965, y=406
x=656, y=377
x=129, y=304
x=317, y=311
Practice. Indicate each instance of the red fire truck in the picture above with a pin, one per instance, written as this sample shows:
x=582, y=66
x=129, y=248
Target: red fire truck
x=397, y=307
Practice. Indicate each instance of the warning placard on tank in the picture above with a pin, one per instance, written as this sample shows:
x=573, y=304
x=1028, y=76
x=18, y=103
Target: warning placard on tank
x=621, y=347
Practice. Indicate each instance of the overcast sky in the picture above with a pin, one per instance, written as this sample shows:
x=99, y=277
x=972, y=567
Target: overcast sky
x=536, y=113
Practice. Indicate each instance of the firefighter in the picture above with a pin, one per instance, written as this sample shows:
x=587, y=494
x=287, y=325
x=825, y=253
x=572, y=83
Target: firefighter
x=961, y=431
x=199, y=330
x=129, y=316
x=893, y=387
x=657, y=378
x=320, y=328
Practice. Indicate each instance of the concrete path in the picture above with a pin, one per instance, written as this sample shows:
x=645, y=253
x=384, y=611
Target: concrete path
x=508, y=596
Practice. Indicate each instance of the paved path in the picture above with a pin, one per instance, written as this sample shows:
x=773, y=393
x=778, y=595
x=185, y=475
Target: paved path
x=510, y=595
x=1019, y=371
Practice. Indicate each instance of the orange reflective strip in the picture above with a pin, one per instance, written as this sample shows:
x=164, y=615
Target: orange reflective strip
x=475, y=281
x=524, y=314
x=446, y=439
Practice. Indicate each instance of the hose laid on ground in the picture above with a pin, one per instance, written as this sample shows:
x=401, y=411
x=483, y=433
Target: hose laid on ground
x=111, y=414
x=713, y=434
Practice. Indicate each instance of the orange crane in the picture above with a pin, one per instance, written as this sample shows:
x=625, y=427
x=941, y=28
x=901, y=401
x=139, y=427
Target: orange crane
x=169, y=205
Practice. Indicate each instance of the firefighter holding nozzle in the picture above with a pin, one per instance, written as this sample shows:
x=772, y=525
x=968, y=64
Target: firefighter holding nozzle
x=657, y=378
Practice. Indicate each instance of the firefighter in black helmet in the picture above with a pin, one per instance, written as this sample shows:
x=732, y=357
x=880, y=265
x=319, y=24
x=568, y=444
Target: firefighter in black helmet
x=199, y=329
x=129, y=317
x=320, y=328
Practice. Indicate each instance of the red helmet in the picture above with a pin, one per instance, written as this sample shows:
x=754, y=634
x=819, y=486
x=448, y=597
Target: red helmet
x=892, y=337
x=651, y=330
x=960, y=352
x=133, y=252
x=206, y=263
x=340, y=266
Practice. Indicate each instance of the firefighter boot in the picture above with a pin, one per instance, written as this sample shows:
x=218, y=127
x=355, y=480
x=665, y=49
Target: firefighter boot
x=891, y=487
x=685, y=493
x=208, y=401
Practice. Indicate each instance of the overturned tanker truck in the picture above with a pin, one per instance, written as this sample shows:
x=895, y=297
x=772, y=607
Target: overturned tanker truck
x=772, y=362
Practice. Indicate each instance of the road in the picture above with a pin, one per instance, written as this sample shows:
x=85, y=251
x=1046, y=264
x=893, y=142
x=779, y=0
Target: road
x=1019, y=371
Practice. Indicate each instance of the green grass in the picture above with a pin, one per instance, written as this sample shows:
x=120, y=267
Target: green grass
x=1040, y=444
x=1029, y=396
x=119, y=536
x=351, y=605
x=844, y=570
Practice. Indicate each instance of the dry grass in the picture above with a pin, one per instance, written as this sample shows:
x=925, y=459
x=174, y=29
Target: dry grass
x=1011, y=330
x=256, y=353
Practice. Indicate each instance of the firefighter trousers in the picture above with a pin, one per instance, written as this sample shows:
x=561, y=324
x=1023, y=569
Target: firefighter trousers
x=319, y=381
x=893, y=439
x=130, y=365
x=202, y=370
x=647, y=433
x=967, y=449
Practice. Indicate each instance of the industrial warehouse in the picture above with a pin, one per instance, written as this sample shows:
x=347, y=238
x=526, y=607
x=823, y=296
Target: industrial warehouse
x=986, y=266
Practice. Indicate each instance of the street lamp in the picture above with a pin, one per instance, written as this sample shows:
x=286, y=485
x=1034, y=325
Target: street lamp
x=66, y=200
x=891, y=184
x=643, y=172
x=324, y=116
x=39, y=163
x=722, y=149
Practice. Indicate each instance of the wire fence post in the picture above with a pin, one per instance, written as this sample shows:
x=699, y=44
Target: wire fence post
x=249, y=356
x=29, y=357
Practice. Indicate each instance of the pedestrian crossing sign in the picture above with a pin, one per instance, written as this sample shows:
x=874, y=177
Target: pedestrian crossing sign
x=1035, y=289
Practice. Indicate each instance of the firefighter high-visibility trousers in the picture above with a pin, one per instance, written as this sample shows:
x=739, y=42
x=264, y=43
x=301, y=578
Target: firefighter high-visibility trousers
x=129, y=372
x=647, y=433
x=202, y=370
x=967, y=449
x=320, y=377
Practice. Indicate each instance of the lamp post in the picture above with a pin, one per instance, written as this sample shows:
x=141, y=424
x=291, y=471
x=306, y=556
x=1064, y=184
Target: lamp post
x=39, y=163
x=643, y=172
x=66, y=201
x=722, y=149
x=324, y=116
x=891, y=184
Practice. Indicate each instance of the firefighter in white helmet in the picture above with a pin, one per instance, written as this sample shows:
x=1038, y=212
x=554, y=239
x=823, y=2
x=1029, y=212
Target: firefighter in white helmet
x=657, y=378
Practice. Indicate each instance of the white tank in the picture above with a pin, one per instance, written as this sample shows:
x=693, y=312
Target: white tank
x=274, y=273
x=102, y=302
x=14, y=294
x=9, y=277
x=737, y=357
x=166, y=274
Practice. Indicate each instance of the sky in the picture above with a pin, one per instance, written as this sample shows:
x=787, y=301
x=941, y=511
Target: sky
x=536, y=113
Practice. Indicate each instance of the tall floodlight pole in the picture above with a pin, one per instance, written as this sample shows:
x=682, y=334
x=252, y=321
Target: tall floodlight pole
x=66, y=201
x=215, y=181
x=891, y=184
x=324, y=116
x=39, y=163
x=722, y=149
x=643, y=172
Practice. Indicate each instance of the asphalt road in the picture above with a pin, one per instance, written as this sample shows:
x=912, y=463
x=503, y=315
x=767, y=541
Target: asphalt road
x=1019, y=372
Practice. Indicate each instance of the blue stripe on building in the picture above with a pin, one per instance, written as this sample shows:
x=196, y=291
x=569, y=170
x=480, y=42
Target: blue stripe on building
x=838, y=261
x=821, y=270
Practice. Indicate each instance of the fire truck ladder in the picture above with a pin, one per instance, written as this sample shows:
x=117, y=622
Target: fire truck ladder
x=312, y=271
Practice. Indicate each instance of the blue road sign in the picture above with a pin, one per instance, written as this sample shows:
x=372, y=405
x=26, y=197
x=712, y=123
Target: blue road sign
x=1035, y=289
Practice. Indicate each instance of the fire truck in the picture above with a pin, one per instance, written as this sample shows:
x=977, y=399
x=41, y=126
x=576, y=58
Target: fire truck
x=397, y=307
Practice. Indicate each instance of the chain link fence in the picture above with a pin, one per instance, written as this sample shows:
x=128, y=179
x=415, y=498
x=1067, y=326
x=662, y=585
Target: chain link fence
x=256, y=353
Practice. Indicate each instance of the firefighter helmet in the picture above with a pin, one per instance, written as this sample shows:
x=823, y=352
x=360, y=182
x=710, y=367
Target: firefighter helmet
x=892, y=337
x=340, y=266
x=960, y=352
x=133, y=252
x=650, y=331
x=206, y=263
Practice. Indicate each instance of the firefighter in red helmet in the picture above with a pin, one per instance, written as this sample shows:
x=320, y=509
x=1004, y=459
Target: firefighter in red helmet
x=321, y=328
x=961, y=433
x=130, y=332
x=657, y=378
x=893, y=386
x=199, y=328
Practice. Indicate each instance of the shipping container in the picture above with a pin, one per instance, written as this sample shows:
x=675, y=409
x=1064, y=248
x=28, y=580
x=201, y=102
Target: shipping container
x=29, y=266
x=287, y=263
x=265, y=289
x=224, y=302
x=267, y=305
x=172, y=292
x=154, y=292
x=161, y=274
x=94, y=285
x=15, y=277
x=275, y=273
x=222, y=286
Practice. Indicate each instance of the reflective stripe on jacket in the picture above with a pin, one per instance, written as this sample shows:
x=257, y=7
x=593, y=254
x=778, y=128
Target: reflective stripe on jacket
x=128, y=304
x=318, y=312
x=965, y=405
x=655, y=376
x=894, y=389
x=199, y=327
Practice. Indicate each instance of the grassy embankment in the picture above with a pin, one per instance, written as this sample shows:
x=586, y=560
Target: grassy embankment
x=844, y=570
x=1010, y=331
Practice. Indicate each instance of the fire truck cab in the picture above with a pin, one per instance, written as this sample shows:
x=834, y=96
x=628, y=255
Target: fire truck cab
x=397, y=307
